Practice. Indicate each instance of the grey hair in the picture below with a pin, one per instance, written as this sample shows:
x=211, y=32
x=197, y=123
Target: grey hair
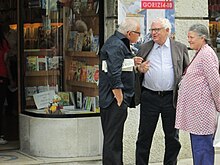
x=164, y=22
x=129, y=24
x=202, y=31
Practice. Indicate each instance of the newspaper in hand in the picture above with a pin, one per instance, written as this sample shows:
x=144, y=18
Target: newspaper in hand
x=127, y=65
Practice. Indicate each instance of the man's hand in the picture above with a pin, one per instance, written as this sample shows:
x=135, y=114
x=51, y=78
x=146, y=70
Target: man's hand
x=118, y=95
x=143, y=67
x=138, y=60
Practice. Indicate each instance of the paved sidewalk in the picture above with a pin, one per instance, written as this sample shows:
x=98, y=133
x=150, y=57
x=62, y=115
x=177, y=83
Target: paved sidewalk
x=190, y=161
x=16, y=157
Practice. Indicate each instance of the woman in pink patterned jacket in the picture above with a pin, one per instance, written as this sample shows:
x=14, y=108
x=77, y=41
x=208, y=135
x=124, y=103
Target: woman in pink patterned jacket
x=199, y=96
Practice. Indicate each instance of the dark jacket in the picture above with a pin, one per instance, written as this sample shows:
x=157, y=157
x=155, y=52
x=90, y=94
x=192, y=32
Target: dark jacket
x=180, y=61
x=114, y=51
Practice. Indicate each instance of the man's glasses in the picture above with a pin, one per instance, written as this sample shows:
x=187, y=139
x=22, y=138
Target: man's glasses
x=139, y=33
x=155, y=29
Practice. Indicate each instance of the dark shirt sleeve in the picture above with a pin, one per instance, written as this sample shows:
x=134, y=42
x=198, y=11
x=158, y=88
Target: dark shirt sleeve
x=114, y=64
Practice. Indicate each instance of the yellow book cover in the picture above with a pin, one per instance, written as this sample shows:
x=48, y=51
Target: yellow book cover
x=32, y=63
x=65, y=98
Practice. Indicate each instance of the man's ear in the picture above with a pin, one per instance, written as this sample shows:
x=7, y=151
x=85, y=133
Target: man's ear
x=128, y=35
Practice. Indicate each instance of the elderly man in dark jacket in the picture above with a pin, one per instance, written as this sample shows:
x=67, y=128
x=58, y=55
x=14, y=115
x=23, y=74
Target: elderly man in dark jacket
x=116, y=87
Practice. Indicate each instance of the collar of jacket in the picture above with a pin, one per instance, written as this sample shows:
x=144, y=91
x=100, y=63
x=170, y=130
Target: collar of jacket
x=123, y=38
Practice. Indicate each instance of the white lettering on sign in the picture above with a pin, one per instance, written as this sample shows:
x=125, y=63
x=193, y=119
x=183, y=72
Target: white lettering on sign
x=157, y=4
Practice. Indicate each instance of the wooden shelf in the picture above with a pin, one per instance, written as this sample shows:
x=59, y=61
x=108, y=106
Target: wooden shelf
x=36, y=52
x=43, y=73
x=92, y=14
x=82, y=84
x=8, y=9
x=81, y=54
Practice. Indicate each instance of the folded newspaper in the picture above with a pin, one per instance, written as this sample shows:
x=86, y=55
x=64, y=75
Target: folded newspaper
x=127, y=65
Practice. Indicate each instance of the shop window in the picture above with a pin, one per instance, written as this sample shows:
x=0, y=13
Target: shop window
x=61, y=43
x=214, y=22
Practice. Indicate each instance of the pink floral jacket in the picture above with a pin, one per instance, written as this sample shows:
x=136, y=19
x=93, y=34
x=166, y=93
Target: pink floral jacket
x=199, y=94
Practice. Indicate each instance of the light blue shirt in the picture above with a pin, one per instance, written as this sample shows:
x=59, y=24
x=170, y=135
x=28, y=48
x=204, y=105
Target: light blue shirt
x=160, y=76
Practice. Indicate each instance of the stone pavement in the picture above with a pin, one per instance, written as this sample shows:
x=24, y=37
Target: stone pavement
x=16, y=157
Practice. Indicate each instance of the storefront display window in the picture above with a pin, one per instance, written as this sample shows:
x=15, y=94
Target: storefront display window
x=214, y=23
x=61, y=43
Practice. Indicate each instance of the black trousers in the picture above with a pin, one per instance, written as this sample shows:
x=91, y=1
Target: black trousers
x=3, y=92
x=113, y=119
x=12, y=100
x=152, y=105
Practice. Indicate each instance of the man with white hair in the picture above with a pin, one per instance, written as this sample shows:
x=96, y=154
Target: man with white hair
x=116, y=87
x=166, y=60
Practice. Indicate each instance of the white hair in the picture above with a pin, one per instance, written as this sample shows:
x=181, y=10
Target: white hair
x=201, y=30
x=164, y=22
x=129, y=24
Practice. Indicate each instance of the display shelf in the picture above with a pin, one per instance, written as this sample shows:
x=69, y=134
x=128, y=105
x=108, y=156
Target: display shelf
x=64, y=111
x=43, y=73
x=82, y=84
x=7, y=9
x=81, y=54
x=37, y=24
x=36, y=52
x=88, y=15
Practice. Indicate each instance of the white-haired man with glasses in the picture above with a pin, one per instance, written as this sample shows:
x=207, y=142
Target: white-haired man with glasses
x=167, y=60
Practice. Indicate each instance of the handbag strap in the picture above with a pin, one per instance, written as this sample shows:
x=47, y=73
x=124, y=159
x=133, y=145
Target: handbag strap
x=185, y=70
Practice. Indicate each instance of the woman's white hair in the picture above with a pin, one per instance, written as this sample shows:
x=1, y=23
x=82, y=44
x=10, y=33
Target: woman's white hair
x=202, y=31
x=129, y=24
x=164, y=22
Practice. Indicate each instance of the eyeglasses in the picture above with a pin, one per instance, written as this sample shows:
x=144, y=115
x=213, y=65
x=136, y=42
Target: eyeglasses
x=155, y=29
x=138, y=33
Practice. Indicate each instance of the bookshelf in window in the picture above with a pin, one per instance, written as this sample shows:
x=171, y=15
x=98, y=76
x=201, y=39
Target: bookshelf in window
x=35, y=52
x=42, y=73
x=87, y=54
x=81, y=72
x=83, y=84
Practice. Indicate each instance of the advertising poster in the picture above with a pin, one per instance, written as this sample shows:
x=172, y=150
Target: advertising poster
x=145, y=11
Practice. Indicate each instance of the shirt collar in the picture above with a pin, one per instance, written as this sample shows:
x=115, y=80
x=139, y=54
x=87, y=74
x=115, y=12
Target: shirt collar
x=167, y=44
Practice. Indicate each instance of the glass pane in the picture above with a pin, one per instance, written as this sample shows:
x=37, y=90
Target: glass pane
x=82, y=46
x=43, y=29
x=214, y=24
x=61, y=42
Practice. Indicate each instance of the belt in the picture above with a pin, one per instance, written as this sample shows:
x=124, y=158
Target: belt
x=159, y=93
